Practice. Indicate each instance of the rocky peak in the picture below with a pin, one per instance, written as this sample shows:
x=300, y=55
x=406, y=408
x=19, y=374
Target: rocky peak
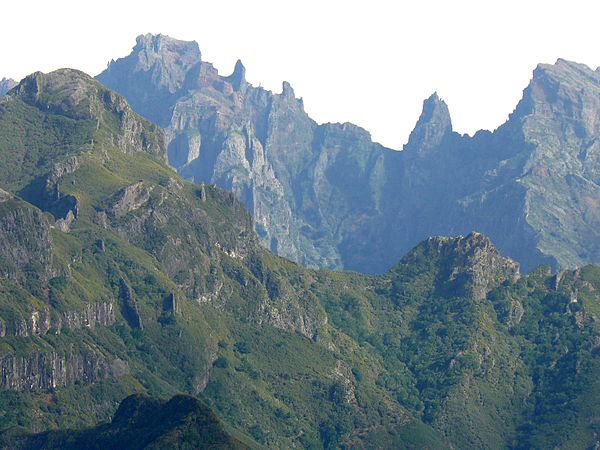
x=471, y=264
x=559, y=90
x=76, y=95
x=67, y=92
x=156, y=70
x=176, y=55
x=6, y=84
x=238, y=77
x=287, y=91
x=433, y=125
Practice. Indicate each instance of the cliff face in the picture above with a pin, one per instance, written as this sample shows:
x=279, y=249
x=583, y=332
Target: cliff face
x=262, y=146
x=471, y=265
x=326, y=196
x=560, y=118
x=50, y=370
x=25, y=242
x=6, y=84
x=41, y=322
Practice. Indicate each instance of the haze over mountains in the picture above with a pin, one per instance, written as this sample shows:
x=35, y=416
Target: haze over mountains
x=327, y=196
x=6, y=84
x=119, y=278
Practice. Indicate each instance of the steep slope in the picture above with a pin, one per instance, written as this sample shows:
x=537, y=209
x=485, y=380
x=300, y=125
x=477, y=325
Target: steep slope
x=308, y=187
x=511, y=368
x=118, y=277
x=560, y=119
x=326, y=196
x=142, y=423
x=529, y=185
x=6, y=84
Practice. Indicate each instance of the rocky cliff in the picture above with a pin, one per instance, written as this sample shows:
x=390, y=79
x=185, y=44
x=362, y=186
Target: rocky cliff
x=327, y=196
x=25, y=242
x=50, y=370
x=471, y=265
x=262, y=146
x=6, y=84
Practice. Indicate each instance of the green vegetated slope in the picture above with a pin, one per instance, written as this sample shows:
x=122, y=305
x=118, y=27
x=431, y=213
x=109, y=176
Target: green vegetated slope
x=118, y=278
x=143, y=423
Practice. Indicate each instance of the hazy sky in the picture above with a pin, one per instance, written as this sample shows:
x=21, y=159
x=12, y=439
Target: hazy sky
x=370, y=62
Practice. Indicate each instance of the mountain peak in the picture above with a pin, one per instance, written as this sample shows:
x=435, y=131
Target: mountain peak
x=163, y=44
x=156, y=69
x=565, y=71
x=238, y=77
x=74, y=94
x=287, y=91
x=6, y=84
x=433, y=125
x=555, y=91
x=469, y=264
x=68, y=92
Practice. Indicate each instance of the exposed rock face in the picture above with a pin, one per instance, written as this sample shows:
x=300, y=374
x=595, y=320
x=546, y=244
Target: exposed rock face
x=49, y=198
x=472, y=265
x=260, y=145
x=171, y=304
x=61, y=169
x=74, y=94
x=325, y=195
x=159, y=61
x=41, y=322
x=101, y=313
x=433, y=127
x=6, y=84
x=560, y=119
x=45, y=370
x=130, y=309
x=25, y=241
x=129, y=199
x=50, y=370
x=290, y=312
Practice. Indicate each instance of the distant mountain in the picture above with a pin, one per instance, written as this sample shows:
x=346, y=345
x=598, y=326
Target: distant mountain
x=327, y=196
x=141, y=423
x=6, y=84
x=310, y=188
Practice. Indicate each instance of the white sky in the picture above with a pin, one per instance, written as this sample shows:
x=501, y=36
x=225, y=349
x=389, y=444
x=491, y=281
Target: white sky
x=371, y=62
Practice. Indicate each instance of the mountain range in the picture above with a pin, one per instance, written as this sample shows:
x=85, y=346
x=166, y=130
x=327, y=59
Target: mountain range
x=325, y=195
x=120, y=280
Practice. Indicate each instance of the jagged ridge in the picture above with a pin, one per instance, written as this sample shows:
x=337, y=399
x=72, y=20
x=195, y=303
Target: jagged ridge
x=325, y=195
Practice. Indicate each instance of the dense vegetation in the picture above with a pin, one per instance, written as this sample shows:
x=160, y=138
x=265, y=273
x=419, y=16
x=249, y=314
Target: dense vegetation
x=142, y=423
